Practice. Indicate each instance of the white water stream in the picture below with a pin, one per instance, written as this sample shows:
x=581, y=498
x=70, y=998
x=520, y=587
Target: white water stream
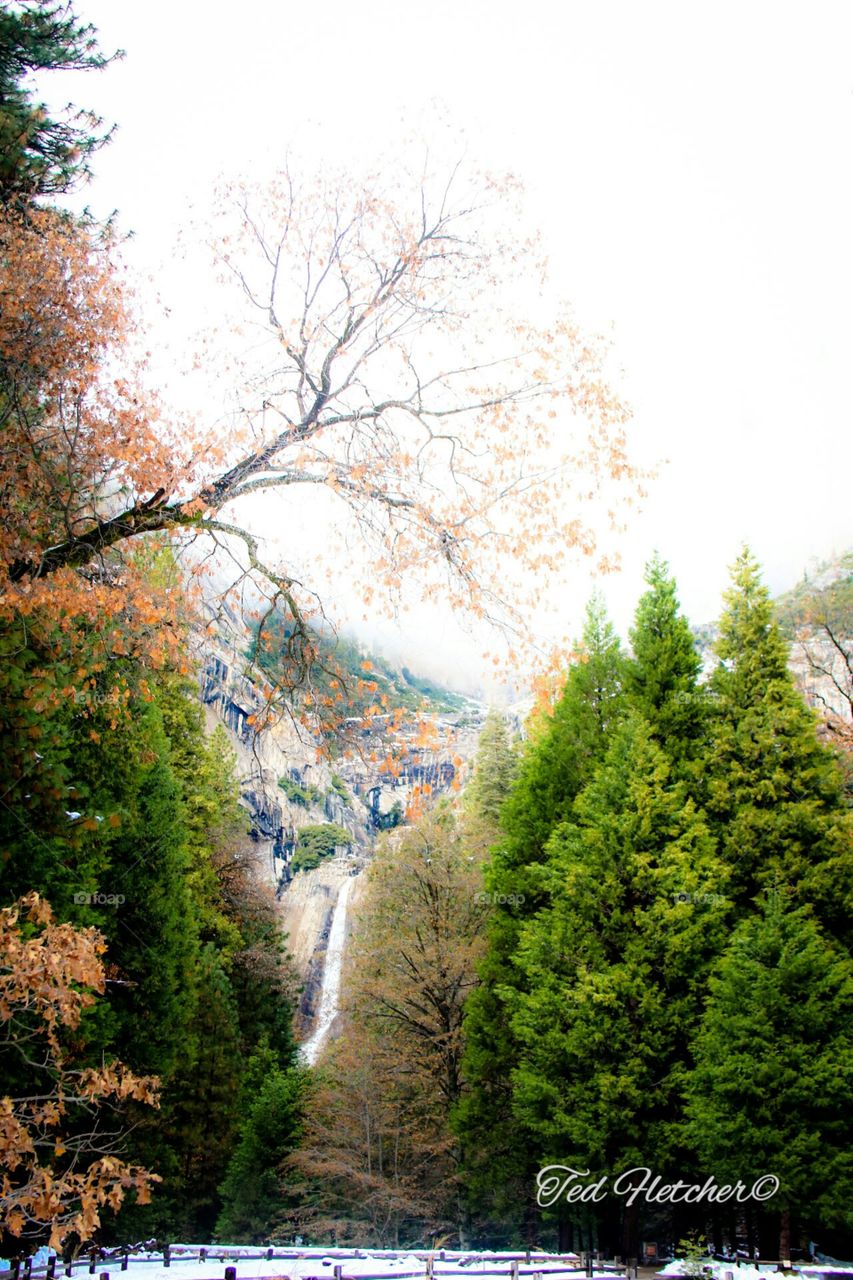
x=331, y=987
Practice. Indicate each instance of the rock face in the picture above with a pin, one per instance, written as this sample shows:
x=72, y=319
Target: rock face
x=306, y=909
x=285, y=787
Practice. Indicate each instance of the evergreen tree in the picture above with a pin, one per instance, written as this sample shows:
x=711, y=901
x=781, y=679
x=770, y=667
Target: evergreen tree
x=773, y=791
x=234, y=990
x=772, y=1089
x=553, y=770
x=207, y=1085
x=41, y=153
x=271, y=1109
x=662, y=676
x=562, y=757
x=611, y=973
x=495, y=769
x=151, y=931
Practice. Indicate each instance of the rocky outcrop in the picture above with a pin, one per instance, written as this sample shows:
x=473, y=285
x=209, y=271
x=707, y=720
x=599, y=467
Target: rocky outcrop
x=285, y=786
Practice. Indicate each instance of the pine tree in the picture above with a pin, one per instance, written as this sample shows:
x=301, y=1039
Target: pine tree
x=495, y=768
x=662, y=676
x=611, y=973
x=151, y=930
x=562, y=758
x=773, y=791
x=271, y=1108
x=772, y=1089
x=41, y=154
x=553, y=770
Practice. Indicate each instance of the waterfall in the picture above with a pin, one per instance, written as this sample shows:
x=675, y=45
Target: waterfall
x=330, y=989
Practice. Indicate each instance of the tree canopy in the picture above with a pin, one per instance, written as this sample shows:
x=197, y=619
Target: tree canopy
x=44, y=153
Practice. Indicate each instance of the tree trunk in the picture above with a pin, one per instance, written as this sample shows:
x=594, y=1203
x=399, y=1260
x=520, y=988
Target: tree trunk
x=530, y=1225
x=630, y=1232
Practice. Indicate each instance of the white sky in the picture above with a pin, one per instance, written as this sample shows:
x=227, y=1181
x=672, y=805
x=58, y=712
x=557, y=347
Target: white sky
x=689, y=165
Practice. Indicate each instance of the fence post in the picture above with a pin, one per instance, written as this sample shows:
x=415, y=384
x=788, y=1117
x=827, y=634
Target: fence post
x=167, y=1255
x=105, y=1275
x=125, y=1258
x=269, y=1254
x=338, y=1272
x=51, y=1267
x=16, y=1269
x=28, y=1268
x=429, y=1267
x=93, y=1257
x=202, y=1255
x=513, y=1269
x=230, y=1273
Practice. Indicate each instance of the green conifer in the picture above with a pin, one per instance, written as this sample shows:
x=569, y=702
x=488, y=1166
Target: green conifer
x=773, y=792
x=662, y=676
x=772, y=1089
x=611, y=973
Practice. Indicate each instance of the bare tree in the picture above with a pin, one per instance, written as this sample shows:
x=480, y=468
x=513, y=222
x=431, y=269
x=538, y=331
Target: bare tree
x=391, y=367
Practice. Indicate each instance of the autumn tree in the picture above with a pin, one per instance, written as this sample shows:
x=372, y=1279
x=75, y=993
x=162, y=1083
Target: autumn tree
x=57, y=1174
x=418, y=936
x=410, y=966
x=368, y=1170
x=396, y=372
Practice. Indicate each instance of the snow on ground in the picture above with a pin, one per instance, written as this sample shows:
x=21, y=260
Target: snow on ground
x=251, y=1263
x=749, y=1271
x=303, y=1264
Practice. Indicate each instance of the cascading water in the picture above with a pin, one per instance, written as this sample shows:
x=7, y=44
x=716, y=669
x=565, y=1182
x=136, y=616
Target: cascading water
x=330, y=989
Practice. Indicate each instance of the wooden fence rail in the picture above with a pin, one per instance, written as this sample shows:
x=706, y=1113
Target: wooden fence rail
x=438, y=1264
x=530, y=1264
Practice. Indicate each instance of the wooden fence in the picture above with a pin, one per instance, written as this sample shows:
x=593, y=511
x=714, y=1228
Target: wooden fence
x=530, y=1265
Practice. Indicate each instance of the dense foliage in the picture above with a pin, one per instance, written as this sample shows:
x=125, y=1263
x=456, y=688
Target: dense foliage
x=626, y=947
x=42, y=153
x=317, y=842
x=674, y=869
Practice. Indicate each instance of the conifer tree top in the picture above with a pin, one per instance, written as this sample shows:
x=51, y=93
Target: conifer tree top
x=43, y=153
x=750, y=640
